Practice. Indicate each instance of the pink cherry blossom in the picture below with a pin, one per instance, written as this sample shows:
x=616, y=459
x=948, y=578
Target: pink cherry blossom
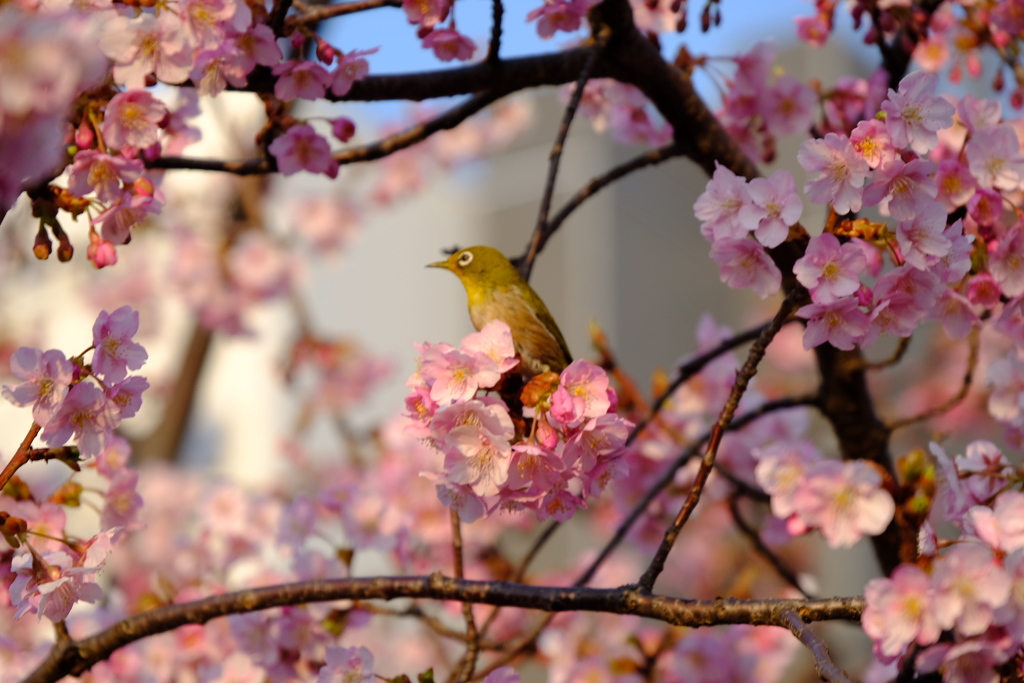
x=132, y=119
x=582, y=393
x=845, y=501
x=121, y=501
x=426, y=13
x=813, y=30
x=302, y=149
x=956, y=263
x=453, y=375
x=45, y=377
x=1002, y=525
x=351, y=68
x=995, y=159
x=1007, y=263
x=841, y=323
x=922, y=286
x=347, y=665
x=982, y=290
x=871, y=141
x=901, y=610
x=955, y=184
x=559, y=505
x=116, y=352
x=144, y=45
x=50, y=584
x=985, y=207
x=101, y=252
x=921, y=239
x=744, y=263
x=828, y=269
x=258, y=45
x=86, y=414
x=969, y=585
x=977, y=114
x=956, y=314
x=968, y=661
x=463, y=500
x=300, y=79
x=774, y=205
x=559, y=15
x=599, y=439
x=839, y=171
x=93, y=171
x=207, y=22
x=720, y=204
x=494, y=340
x=914, y=114
x=127, y=395
x=903, y=190
x=534, y=469
x=788, y=106
x=781, y=468
x=477, y=457
x=215, y=68
x=449, y=44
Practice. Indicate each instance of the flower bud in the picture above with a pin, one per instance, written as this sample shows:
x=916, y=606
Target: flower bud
x=42, y=247
x=84, y=136
x=343, y=128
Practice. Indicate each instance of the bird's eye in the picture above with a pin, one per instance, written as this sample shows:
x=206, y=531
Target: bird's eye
x=466, y=258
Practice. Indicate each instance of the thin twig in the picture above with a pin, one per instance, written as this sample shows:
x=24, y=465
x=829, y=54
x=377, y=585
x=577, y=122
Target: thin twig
x=743, y=378
x=77, y=656
x=317, y=14
x=669, y=476
x=598, y=183
x=433, y=623
x=787, y=574
x=498, y=10
x=468, y=662
x=691, y=368
x=371, y=152
x=520, y=572
x=526, y=265
x=827, y=671
x=20, y=457
x=949, y=404
x=896, y=357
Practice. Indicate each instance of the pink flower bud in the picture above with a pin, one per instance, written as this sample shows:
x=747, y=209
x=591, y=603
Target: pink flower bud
x=84, y=136
x=343, y=128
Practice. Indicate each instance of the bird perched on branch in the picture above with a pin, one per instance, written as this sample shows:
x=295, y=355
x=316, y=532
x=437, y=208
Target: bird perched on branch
x=497, y=291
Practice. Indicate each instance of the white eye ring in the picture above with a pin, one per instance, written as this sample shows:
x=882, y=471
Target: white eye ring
x=465, y=259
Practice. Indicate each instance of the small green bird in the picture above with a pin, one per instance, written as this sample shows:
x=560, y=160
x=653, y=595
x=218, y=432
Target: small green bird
x=497, y=291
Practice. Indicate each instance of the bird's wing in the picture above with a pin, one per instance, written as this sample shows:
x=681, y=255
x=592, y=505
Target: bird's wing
x=536, y=334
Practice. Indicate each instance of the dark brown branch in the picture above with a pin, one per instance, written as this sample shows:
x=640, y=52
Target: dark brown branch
x=20, y=456
x=555, y=157
x=497, y=12
x=468, y=662
x=371, y=152
x=955, y=399
x=277, y=15
x=76, y=657
x=827, y=671
x=743, y=378
x=315, y=15
x=691, y=368
x=669, y=476
x=787, y=574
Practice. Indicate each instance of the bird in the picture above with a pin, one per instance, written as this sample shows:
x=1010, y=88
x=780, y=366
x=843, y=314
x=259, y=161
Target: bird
x=496, y=291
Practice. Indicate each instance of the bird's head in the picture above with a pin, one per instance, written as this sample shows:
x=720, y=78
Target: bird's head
x=480, y=268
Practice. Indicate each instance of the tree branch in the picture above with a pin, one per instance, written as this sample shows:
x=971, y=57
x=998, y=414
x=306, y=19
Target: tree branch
x=526, y=265
x=313, y=15
x=827, y=671
x=75, y=657
x=670, y=474
x=371, y=152
x=743, y=378
x=497, y=12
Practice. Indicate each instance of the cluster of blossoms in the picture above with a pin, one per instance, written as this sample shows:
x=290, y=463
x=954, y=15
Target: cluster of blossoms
x=761, y=105
x=883, y=163
x=971, y=586
x=65, y=403
x=50, y=570
x=623, y=111
x=572, y=451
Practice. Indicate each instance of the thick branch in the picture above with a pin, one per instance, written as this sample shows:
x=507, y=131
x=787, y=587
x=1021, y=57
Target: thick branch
x=76, y=657
x=371, y=152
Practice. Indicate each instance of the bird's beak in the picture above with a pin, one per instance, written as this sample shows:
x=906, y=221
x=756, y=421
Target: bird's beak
x=440, y=264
